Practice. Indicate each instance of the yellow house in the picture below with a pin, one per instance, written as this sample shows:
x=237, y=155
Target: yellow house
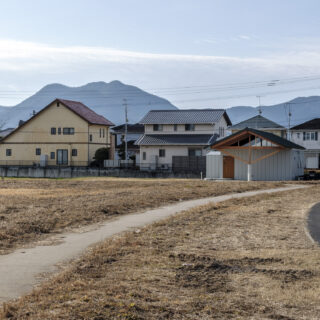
x=63, y=133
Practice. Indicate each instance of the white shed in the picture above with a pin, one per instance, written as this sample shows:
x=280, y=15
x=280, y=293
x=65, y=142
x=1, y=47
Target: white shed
x=252, y=154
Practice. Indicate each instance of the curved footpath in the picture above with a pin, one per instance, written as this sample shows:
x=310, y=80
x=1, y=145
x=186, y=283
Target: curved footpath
x=314, y=222
x=21, y=270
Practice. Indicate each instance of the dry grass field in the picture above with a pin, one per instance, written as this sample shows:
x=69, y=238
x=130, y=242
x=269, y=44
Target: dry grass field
x=31, y=209
x=241, y=259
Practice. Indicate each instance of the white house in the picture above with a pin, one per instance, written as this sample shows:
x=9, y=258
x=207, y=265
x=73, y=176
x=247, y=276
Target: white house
x=170, y=134
x=307, y=134
x=251, y=154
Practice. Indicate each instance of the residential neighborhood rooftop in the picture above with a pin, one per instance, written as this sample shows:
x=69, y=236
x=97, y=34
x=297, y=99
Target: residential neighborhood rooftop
x=84, y=112
x=263, y=134
x=258, y=122
x=313, y=124
x=131, y=128
x=186, y=116
x=177, y=139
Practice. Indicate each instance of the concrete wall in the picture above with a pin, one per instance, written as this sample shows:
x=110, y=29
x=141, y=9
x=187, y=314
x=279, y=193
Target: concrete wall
x=28, y=172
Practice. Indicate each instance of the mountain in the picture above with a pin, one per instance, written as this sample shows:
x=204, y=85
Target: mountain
x=302, y=109
x=104, y=98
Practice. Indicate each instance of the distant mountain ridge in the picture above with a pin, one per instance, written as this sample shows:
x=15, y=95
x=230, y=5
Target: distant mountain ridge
x=104, y=98
x=107, y=99
x=302, y=109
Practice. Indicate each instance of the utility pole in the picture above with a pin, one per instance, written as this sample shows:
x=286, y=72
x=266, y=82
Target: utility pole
x=125, y=128
x=289, y=122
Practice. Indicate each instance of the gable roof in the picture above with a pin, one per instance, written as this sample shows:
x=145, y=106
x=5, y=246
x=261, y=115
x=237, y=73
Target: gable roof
x=77, y=107
x=257, y=122
x=313, y=124
x=176, y=139
x=132, y=128
x=84, y=112
x=266, y=135
x=187, y=116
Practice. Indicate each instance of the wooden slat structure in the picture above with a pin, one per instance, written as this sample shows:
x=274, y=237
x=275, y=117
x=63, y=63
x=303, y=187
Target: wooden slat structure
x=253, y=140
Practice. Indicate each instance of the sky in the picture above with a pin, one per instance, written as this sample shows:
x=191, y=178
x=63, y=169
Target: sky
x=195, y=53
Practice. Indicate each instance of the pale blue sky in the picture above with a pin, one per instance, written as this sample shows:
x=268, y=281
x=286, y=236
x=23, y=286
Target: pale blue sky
x=162, y=44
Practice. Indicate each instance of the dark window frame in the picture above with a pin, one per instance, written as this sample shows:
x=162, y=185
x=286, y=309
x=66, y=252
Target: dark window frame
x=144, y=155
x=59, y=130
x=52, y=155
x=90, y=137
x=162, y=153
x=189, y=127
x=68, y=131
x=53, y=131
x=8, y=152
x=157, y=127
x=38, y=151
x=74, y=152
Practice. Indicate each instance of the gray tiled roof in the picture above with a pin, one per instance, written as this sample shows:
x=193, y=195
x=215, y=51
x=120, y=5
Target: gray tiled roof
x=192, y=116
x=176, y=139
x=257, y=122
x=267, y=135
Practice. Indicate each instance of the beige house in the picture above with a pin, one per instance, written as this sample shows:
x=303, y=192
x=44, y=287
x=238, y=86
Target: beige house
x=64, y=133
x=174, y=135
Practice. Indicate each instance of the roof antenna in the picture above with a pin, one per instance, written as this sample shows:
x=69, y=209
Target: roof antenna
x=260, y=109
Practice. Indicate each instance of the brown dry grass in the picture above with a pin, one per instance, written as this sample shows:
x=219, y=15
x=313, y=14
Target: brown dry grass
x=241, y=259
x=30, y=209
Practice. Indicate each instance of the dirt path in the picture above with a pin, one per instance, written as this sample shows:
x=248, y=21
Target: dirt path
x=21, y=270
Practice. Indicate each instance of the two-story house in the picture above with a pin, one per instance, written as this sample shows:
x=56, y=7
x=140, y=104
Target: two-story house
x=63, y=133
x=260, y=123
x=307, y=135
x=172, y=133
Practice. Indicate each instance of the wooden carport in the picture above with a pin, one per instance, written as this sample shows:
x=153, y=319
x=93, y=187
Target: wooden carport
x=250, y=140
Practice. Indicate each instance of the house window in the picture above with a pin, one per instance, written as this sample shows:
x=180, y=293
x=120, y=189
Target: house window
x=221, y=131
x=298, y=135
x=8, y=152
x=53, y=131
x=58, y=104
x=52, y=155
x=175, y=127
x=144, y=156
x=68, y=131
x=104, y=131
x=157, y=127
x=74, y=152
x=100, y=133
x=313, y=136
x=194, y=152
x=90, y=137
x=59, y=130
x=38, y=151
x=189, y=127
x=162, y=153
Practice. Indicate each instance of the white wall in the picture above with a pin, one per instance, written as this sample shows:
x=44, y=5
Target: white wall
x=308, y=144
x=169, y=129
x=214, y=165
x=170, y=151
x=285, y=165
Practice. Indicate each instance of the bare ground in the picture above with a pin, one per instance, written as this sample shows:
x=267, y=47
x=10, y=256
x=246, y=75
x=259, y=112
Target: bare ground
x=31, y=209
x=241, y=259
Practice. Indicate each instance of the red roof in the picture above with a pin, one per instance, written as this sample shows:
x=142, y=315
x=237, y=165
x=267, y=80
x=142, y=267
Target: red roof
x=85, y=113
